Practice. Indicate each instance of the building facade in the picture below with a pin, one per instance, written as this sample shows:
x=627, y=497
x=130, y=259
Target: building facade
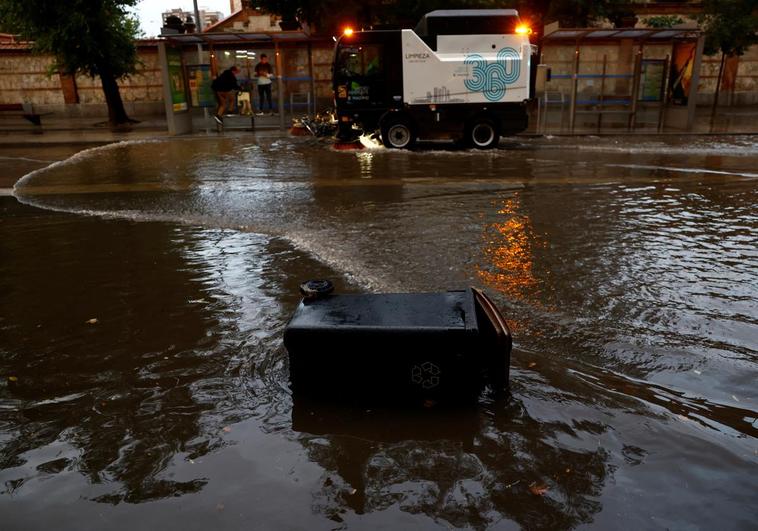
x=208, y=18
x=306, y=67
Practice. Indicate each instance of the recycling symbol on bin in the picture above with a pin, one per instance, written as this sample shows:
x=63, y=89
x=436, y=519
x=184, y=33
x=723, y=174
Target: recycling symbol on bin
x=427, y=375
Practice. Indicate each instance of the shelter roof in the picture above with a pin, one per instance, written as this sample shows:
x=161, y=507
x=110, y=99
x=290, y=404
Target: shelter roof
x=235, y=37
x=588, y=35
x=472, y=13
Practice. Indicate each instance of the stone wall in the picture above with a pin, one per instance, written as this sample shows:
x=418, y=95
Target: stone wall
x=740, y=85
x=144, y=86
x=27, y=77
x=322, y=75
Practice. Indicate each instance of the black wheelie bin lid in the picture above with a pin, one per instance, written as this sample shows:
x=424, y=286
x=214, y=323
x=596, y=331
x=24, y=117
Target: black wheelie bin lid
x=387, y=312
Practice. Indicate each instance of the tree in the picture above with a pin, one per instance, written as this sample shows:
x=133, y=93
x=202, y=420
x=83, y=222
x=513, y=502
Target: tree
x=575, y=13
x=328, y=16
x=731, y=27
x=93, y=37
x=663, y=21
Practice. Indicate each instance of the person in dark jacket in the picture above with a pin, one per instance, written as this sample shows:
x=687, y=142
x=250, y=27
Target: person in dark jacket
x=223, y=87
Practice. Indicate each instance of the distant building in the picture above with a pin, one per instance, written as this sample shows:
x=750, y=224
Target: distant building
x=247, y=19
x=207, y=17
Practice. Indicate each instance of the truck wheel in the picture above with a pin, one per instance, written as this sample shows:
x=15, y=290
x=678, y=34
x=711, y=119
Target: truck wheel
x=483, y=134
x=397, y=133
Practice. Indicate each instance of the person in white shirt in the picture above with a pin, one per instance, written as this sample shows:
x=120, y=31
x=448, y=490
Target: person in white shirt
x=263, y=74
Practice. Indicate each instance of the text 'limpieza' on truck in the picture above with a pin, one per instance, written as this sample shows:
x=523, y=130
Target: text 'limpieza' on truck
x=461, y=74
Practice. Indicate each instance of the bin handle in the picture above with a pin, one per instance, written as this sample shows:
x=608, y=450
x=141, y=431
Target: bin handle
x=502, y=334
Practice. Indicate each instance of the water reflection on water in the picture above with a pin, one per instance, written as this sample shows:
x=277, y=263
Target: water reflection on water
x=627, y=272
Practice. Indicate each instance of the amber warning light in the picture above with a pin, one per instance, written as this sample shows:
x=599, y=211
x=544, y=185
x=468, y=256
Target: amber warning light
x=347, y=32
x=523, y=29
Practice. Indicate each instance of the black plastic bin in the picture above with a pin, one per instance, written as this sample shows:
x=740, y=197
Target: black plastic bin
x=397, y=346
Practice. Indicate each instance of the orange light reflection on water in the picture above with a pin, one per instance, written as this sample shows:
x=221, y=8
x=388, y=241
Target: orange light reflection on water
x=509, y=253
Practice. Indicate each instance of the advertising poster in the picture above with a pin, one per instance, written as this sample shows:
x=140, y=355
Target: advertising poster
x=651, y=80
x=201, y=93
x=176, y=80
x=681, y=72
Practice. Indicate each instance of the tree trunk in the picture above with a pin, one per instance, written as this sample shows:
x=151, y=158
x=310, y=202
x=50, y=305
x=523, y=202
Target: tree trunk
x=116, y=112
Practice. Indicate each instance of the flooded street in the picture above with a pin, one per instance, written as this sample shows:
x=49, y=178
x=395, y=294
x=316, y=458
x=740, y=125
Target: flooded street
x=146, y=285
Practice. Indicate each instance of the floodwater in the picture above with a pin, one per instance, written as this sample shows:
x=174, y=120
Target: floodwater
x=145, y=287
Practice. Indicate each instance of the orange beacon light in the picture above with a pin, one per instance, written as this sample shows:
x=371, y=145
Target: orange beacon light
x=523, y=29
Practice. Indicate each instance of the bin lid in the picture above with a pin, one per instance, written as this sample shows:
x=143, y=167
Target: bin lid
x=390, y=311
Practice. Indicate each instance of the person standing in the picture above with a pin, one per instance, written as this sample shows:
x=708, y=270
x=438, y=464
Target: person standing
x=263, y=74
x=223, y=87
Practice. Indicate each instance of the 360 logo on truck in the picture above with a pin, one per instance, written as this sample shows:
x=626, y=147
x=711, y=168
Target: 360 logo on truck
x=443, y=79
x=492, y=78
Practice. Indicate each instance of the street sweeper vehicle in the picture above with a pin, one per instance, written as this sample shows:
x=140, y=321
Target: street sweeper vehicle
x=465, y=75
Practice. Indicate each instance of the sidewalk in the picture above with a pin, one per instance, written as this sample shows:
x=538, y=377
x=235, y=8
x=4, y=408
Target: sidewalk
x=728, y=120
x=15, y=130
x=94, y=130
x=62, y=130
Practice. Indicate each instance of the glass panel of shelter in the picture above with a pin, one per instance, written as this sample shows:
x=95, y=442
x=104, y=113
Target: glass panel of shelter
x=246, y=60
x=297, y=81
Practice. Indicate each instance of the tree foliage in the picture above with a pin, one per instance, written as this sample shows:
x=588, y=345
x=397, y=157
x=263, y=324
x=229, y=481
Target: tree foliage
x=575, y=13
x=663, y=21
x=329, y=15
x=730, y=26
x=93, y=37
x=83, y=35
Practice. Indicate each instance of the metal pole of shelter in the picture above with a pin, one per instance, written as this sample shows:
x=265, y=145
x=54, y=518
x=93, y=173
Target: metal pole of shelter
x=199, y=29
x=312, y=100
x=280, y=91
x=636, y=78
x=543, y=99
x=602, y=93
x=574, y=82
x=664, y=97
x=692, y=98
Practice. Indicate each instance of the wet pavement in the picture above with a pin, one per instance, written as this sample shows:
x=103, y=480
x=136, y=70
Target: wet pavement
x=146, y=286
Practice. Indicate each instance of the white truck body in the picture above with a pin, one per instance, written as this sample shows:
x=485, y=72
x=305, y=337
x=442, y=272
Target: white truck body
x=466, y=69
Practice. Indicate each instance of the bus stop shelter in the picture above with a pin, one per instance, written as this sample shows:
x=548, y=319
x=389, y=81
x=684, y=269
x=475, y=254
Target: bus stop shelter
x=631, y=78
x=189, y=62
